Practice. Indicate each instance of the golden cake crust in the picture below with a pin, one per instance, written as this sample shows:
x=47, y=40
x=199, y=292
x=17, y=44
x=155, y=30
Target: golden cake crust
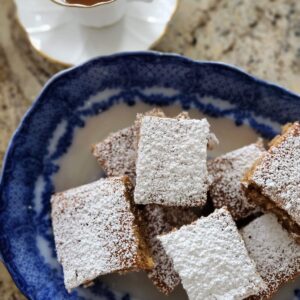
x=274, y=180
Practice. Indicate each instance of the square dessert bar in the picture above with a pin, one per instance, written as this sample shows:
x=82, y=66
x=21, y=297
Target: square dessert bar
x=226, y=173
x=171, y=163
x=274, y=181
x=95, y=231
x=159, y=220
x=211, y=259
x=117, y=153
x=276, y=254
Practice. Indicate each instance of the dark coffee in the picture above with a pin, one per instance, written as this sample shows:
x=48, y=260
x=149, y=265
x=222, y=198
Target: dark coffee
x=86, y=2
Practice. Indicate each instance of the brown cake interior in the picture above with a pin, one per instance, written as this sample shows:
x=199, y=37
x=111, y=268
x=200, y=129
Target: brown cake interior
x=254, y=194
x=144, y=259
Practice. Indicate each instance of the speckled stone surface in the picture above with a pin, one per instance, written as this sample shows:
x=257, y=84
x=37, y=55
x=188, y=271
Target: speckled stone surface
x=8, y=290
x=261, y=36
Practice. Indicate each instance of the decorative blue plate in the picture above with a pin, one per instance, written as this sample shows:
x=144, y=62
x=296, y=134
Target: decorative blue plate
x=50, y=150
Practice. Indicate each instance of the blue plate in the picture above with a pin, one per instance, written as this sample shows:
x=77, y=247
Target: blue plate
x=79, y=106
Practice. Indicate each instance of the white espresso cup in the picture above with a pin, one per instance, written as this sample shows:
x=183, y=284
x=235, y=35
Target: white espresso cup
x=100, y=14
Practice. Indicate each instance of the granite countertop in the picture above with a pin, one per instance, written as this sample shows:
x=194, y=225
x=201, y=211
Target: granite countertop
x=260, y=36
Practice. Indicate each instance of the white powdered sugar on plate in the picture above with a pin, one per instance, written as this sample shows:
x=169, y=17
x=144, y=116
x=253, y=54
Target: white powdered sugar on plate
x=211, y=259
x=226, y=173
x=94, y=231
x=276, y=254
x=171, y=165
x=278, y=172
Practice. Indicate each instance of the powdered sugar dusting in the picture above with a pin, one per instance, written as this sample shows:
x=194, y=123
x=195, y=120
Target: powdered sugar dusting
x=117, y=154
x=94, y=231
x=155, y=112
x=212, y=260
x=276, y=254
x=278, y=173
x=171, y=164
x=226, y=173
x=160, y=220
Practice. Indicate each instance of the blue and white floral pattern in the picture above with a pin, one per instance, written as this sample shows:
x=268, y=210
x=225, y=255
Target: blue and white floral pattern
x=47, y=130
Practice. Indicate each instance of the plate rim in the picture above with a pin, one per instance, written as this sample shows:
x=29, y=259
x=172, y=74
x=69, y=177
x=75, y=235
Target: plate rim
x=141, y=54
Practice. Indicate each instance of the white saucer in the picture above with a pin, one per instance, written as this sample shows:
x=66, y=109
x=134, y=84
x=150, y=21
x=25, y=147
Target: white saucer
x=55, y=34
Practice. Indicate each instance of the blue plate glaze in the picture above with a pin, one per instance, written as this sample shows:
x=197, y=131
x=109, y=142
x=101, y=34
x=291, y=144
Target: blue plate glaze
x=66, y=103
